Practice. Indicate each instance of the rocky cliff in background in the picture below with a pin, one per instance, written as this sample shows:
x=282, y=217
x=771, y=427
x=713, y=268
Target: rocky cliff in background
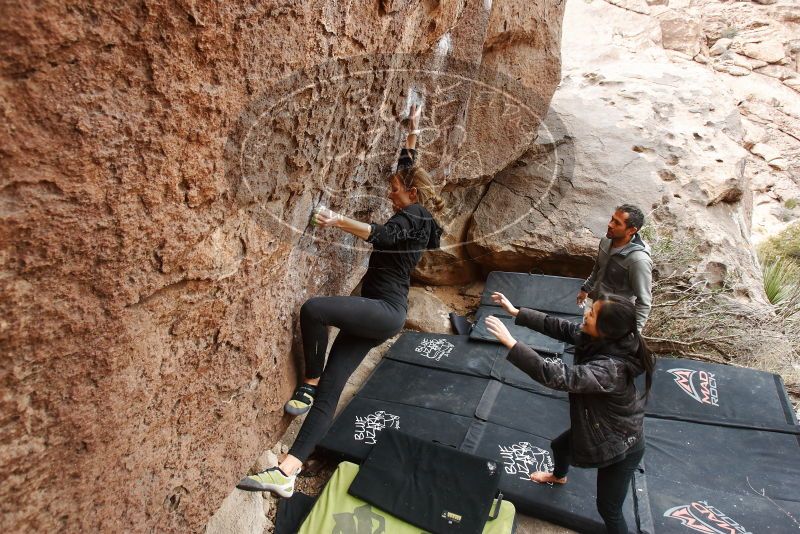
x=154, y=199
x=753, y=48
x=692, y=140
x=628, y=125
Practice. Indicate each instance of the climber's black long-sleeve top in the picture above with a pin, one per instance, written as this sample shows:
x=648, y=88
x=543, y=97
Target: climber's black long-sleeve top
x=397, y=247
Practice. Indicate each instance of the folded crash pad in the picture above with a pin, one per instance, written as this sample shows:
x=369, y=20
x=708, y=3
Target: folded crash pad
x=554, y=294
x=437, y=488
x=539, y=342
x=338, y=512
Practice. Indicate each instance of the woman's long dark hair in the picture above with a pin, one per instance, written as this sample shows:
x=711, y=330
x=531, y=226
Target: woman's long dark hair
x=616, y=320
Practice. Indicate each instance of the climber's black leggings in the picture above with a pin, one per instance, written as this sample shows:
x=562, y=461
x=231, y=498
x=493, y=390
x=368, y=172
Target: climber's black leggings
x=613, y=482
x=363, y=324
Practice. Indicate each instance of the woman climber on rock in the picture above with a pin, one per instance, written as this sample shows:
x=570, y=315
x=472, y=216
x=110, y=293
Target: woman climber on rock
x=606, y=412
x=364, y=322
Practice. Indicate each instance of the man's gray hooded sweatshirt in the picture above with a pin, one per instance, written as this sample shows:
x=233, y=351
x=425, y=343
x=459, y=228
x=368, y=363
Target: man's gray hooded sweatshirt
x=628, y=273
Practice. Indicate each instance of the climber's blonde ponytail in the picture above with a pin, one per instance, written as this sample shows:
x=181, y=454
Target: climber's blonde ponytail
x=426, y=192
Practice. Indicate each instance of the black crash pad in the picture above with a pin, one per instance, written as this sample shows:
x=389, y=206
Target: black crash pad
x=540, y=292
x=552, y=294
x=446, y=352
x=571, y=505
x=460, y=355
x=543, y=415
x=734, y=460
x=678, y=508
x=539, y=342
x=433, y=389
x=508, y=373
x=359, y=425
x=720, y=394
x=467, y=396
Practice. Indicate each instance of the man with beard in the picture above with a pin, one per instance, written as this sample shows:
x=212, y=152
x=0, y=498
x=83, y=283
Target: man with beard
x=623, y=265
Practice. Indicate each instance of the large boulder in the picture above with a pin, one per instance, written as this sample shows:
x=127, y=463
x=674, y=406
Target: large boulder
x=427, y=312
x=521, y=50
x=682, y=32
x=160, y=161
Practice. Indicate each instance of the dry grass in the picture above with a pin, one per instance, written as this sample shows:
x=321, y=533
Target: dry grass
x=693, y=319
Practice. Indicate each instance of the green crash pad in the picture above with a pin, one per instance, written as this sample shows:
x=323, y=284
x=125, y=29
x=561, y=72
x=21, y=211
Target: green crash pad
x=338, y=512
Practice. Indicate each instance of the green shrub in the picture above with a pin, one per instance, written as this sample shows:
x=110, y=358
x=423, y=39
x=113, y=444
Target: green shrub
x=790, y=203
x=782, y=282
x=785, y=244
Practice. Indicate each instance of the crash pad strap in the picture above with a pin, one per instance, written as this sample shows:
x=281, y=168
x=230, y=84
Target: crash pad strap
x=487, y=400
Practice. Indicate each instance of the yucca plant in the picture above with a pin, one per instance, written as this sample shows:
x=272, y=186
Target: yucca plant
x=782, y=284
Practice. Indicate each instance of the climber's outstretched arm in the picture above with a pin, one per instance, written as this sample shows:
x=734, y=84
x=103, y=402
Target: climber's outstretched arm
x=330, y=219
x=413, y=117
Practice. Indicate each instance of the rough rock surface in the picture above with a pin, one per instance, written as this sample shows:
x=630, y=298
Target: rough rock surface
x=754, y=48
x=517, y=45
x=427, y=313
x=630, y=125
x=309, y=483
x=154, y=199
x=242, y=512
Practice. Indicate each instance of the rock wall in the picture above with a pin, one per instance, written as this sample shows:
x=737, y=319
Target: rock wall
x=753, y=50
x=160, y=160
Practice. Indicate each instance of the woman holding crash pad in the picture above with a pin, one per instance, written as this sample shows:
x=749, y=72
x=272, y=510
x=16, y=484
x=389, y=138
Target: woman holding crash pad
x=364, y=322
x=606, y=411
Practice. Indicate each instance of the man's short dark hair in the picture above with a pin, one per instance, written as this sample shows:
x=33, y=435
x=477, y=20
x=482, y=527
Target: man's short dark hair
x=635, y=216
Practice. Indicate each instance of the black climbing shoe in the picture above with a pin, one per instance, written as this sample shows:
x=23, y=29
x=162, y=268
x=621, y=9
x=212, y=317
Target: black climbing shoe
x=301, y=401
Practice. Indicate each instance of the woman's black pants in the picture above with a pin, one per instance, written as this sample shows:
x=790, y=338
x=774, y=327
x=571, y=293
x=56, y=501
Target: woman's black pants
x=613, y=482
x=363, y=324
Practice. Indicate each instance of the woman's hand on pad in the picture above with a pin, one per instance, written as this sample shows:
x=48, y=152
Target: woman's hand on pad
x=503, y=302
x=499, y=330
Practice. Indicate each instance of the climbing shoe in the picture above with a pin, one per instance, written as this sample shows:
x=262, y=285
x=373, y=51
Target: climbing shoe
x=271, y=479
x=301, y=401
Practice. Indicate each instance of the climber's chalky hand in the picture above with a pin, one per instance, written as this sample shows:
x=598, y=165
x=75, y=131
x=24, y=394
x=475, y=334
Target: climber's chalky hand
x=327, y=218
